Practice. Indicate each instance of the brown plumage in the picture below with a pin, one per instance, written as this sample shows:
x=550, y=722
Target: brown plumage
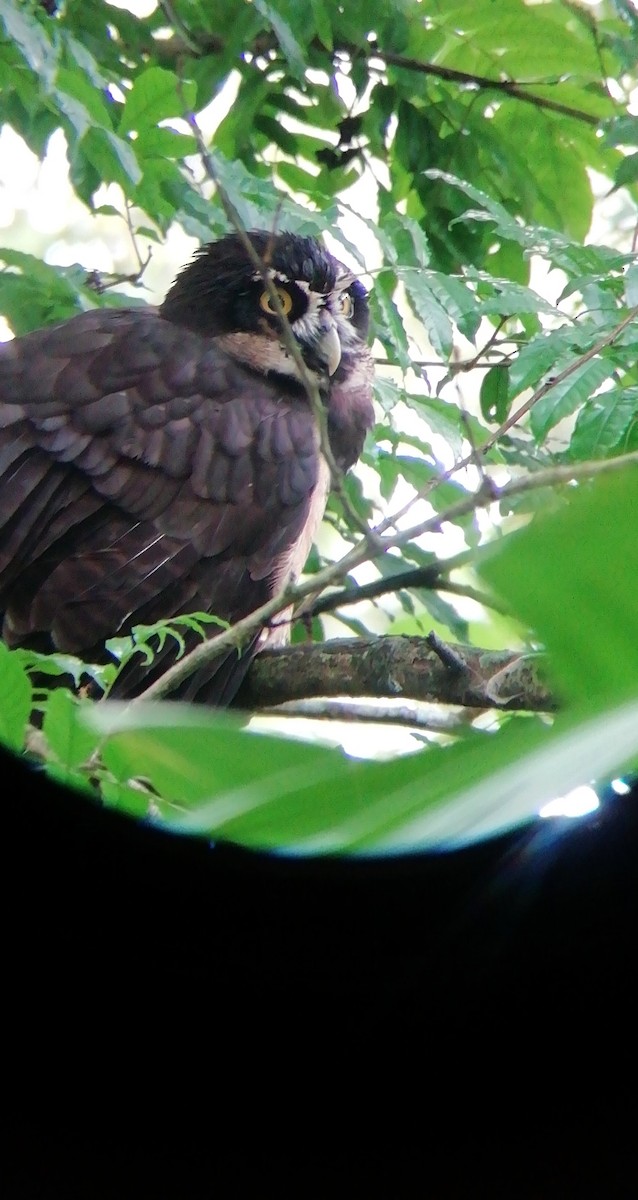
x=161, y=461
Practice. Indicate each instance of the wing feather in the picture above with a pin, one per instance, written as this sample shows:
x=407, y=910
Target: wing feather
x=143, y=474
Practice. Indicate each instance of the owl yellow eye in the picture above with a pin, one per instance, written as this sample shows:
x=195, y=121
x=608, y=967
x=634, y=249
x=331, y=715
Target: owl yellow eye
x=266, y=302
x=345, y=304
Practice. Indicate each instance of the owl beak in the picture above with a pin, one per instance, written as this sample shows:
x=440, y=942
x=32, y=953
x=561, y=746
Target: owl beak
x=330, y=348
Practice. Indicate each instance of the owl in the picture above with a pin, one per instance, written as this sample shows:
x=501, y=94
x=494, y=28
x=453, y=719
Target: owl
x=159, y=461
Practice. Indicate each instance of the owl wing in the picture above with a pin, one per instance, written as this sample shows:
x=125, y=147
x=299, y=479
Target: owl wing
x=144, y=474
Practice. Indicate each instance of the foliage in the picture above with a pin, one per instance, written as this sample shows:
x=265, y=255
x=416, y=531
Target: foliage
x=482, y=146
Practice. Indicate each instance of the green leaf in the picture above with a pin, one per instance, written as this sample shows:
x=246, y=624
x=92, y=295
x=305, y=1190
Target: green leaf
x=285, y=37
x=530, y=42
x=452, y=293
x=112, y=158
x=298, y=179
x=494, y=395
x=506, y=297
x=148, y=640
x=85, y=61
x=405, y=242
x=40, y=293
x=68, y=738
x=276, y=133
x=490, y=209
x=443, y=613
x=631, y=286
x=429, y=310
x=107, y=210
x=544, y=352
x=508, y=777
x=561, y=193
x=259, y=202
x=156, y=95
x=605, y=425
x=65, y=664
x=621, y=131
x=159, y=141
x=323, y=23
x=15, y=700
x=573, y=577
x=391, y=467
x=26, y=32
x=274, y=793
x=627, y=171
x=161, y=192
x=441, y=417
x=83, y=103
x=566, y=396
x=387, y=393
x=389, y=327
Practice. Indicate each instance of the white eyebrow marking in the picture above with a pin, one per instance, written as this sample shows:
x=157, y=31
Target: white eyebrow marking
x=272, y=274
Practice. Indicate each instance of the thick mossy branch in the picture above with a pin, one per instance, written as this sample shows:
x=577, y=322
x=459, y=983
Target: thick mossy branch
x=400, y=667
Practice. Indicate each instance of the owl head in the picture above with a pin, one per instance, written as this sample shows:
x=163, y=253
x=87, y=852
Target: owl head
x=222, y=294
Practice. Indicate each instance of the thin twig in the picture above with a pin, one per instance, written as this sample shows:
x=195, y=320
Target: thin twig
x=471, y=363
x=141, y=262
x=509, y=87
x=432, y=578
x=450, y=657
x=424, y=577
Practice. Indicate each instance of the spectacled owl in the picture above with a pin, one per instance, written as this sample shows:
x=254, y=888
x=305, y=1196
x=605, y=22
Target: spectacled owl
x=161, y=461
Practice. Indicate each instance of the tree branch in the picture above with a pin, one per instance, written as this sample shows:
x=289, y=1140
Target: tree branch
x=432, y=577
x=421, y=577
x=375, y=714
x=405, y=667
x=507, y=86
